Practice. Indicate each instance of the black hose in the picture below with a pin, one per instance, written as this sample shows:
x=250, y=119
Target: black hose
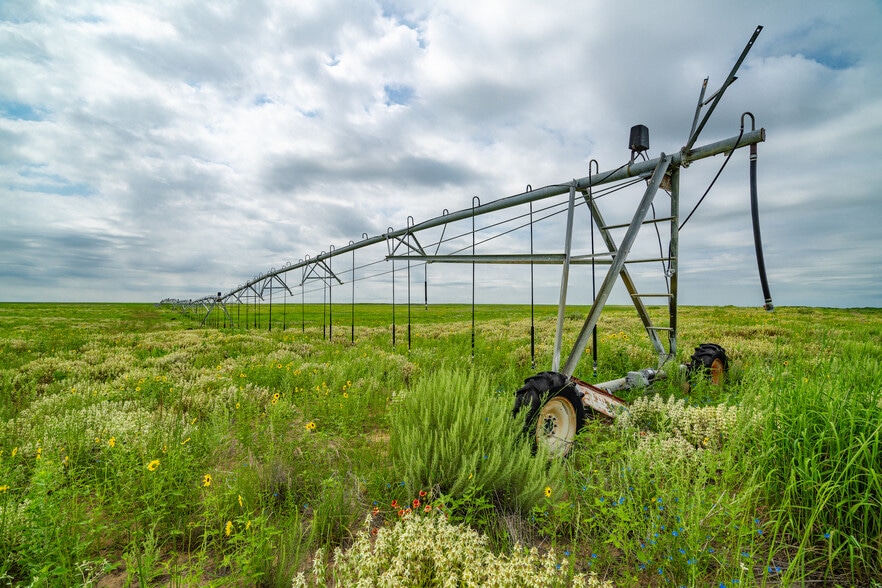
x=757, y=240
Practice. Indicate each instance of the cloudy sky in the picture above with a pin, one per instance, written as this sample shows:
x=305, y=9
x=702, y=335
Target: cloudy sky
x=175, y=148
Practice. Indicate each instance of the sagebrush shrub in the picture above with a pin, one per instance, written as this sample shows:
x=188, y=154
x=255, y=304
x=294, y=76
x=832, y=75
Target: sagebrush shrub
x=451, y=432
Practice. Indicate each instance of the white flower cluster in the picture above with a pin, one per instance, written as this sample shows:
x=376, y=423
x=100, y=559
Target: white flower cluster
x=429, y=551
x=701, y=427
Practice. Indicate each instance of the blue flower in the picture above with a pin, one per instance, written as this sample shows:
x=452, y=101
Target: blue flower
x=682, y=551
x=567, y=553
x=674, y=533
x=774, y=569
x=745, y=554
x=827, y=535
x=593, y=556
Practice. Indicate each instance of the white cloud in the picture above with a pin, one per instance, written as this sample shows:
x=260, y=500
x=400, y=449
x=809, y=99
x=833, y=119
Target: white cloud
x=177, y=149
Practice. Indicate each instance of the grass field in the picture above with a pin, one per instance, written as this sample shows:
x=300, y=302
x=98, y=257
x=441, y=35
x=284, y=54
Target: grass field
x=138, y=448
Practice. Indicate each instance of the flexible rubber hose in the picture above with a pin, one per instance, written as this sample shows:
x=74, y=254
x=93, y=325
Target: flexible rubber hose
x=757, y=239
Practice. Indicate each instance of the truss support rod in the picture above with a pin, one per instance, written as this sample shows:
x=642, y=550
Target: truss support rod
x=564, y=281
x=515, y=259
x=716, y=98
x=618, y=264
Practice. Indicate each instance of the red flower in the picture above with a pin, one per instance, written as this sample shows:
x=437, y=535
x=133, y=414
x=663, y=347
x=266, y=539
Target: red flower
x=416, y=503
x=376, y=510
x=422, y=493
x=394, y=504
x=428, y=508
x=401, y=512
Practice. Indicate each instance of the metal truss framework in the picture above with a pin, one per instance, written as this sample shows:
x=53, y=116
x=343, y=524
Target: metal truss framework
x=407, y=244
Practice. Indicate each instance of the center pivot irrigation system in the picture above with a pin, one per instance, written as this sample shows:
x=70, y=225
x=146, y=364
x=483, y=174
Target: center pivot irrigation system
x=555, y=402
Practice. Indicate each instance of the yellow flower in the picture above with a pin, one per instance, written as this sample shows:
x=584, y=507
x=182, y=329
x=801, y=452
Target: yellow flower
x=275, y=398
x=39, y=453
x=229, y=528
x=548, y=492
x=247, y=525
x=137, y=388
x=185, y=441
x=237, y=406
x=153, y=465
x=112, y=441
x=345, y=395
x=206, y=480
x=240, y=501
x=4, y=488
x=310, y=426
x=14, y=451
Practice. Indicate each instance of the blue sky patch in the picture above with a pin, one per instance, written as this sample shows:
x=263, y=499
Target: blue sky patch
x=398, y=95
x=18, y=111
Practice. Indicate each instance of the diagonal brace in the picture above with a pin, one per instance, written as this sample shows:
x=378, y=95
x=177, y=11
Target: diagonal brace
x=617, y=265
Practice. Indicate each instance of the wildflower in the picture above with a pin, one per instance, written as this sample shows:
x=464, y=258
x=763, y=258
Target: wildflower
x=427, y=508
x=112, y=442
x=39, y=453
x=310, y=426
x=247, y=525
x=185, y=441
x=206, y=480
x=275, y=398
x=548, y=492
x=4, y=487
x=137, y=388
x=416, y=503
x=375, y=511
x=827, y=535
x=423, y=493
x=237, y=406
x=229, y=528
x=153, y=465
x=394, y=504
x=240, y=501
x=345, y=395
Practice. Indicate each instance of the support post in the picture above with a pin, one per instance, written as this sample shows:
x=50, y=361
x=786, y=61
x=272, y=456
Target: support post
x=564, y=280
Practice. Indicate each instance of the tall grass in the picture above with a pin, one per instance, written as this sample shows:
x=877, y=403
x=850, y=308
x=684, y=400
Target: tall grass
x=823, y=467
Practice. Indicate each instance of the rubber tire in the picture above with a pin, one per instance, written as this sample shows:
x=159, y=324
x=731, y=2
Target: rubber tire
x=710, y=361
x=555, y=413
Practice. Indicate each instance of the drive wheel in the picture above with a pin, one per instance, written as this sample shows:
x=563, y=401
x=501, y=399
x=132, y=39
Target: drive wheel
x=555, y=412
x=709, y=359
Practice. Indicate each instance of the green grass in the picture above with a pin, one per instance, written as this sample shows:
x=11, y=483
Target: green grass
x=136, y=443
